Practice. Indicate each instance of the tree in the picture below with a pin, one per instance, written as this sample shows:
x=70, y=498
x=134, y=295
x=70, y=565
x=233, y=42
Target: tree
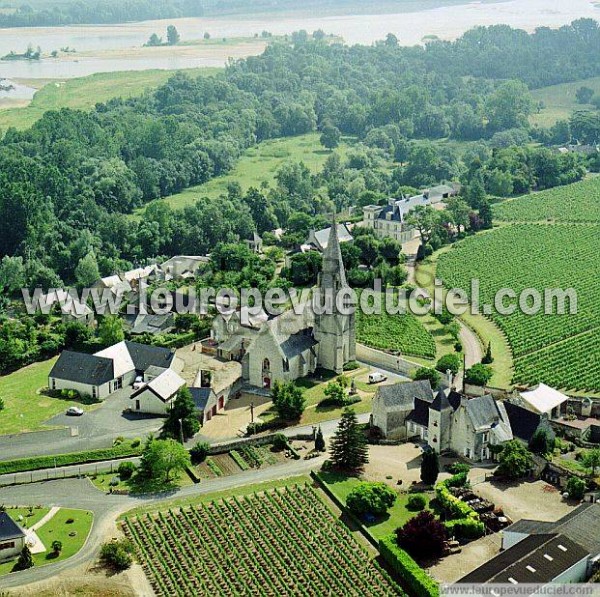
x=349, y=450
x=87, y=272
x=542, y=441
x=288, y=400
x=485, y=214
x=320, y=441
x=431, y=375
x=206, y=35
x=336, y=394
x=154, y=41
x=330, y=136
x=459, y=210
x=371, y=498
x=182, y=421
x=173, y=36
x=162, y=458
x=117, y=555
x=423, y=537
x=110, y=330
x=430, y=467
x=449, y=362
x=488, y=359
x=576, y=488
x=56, y=547
x=12, y=274
x=25, y=560
x=515, y=460
x=199, y=452
x=479, y=375
x=584, y=95
x=425, y=219
x=591, y=459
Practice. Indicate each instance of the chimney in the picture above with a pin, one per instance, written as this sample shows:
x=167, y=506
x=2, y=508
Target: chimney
x=449, y=378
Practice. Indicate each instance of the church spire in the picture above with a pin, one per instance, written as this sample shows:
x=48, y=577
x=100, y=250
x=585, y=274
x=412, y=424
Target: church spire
x=334, y=274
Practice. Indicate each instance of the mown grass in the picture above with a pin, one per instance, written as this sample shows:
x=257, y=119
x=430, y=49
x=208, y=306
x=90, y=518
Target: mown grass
x=560, y=101
x=85, y=92
x=259, y=165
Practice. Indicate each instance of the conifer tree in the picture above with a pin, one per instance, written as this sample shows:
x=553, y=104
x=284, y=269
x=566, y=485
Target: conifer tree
x=430, y=467
x=349, y=450
x=25, y=560
x=320, y=441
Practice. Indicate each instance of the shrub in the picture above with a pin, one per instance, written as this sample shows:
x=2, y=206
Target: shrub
x=136, y=442
x=458, y=467
x=423, y=537
x=458, y=480
x=280, y=442
x=126, y=470
x=479, y=375
x=57, y=546
x=576, y=488
x=450, y=362
x=416, y=502
x=117, y=555
x=199, y=452
x=351, y=366
x=25, y=560
x=453, y=507
x=118, y=440
x=466, y=529
x=371, y=498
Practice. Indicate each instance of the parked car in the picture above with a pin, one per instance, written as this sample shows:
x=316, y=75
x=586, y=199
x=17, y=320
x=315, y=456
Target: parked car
x=138, y=383
x=74, y=411
x=376, y=377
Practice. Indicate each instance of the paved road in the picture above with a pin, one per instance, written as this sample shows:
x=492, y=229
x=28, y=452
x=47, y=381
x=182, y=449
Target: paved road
x=80, y=493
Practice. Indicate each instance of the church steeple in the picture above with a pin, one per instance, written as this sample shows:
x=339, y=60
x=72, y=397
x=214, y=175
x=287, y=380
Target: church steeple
x=333, y=274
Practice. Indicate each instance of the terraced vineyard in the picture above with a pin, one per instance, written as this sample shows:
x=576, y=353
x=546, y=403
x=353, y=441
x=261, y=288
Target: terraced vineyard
x=546, y=348
x=404, y=333
x=281, y=542
x=579, y=202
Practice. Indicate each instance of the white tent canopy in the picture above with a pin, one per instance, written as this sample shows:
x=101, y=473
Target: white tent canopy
x=543, y=399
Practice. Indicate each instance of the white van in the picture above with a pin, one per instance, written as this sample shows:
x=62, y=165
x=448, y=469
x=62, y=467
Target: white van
x=376, y=377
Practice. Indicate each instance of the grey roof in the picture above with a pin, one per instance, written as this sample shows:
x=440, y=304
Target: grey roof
x=9, y=529
x=537, y=559
x=152, y=324
x=144, y=356
x=201, y=396
x=404, y=393
x=324, y=235
x=79, y=367
x=524, y=422
x=581, y=525
x=298, y=343
x=420, y=413
x=483, y=411
x=441, y=402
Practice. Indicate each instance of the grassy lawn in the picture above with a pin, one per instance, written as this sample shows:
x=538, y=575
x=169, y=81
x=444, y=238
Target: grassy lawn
x=29, y=519
x=560, y=101
x=102, y=482
x=486, y=330
x=218, y=495
x=259, y=164
x=85, y=92
x=70, y=527
x=26, y=409
x=341, y=485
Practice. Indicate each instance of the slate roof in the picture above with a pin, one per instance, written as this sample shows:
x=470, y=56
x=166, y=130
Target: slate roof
x=323, y=236
x=9, y=529
x=483, y=411
x=201, y=396
x=404, y=394
x=581, y=526
x=537, y=559
x=298, y=343
x=523, y=422
x=420, y=413
x=441, y=402
x=79, y=367
x=144, y=356
x=152, y=324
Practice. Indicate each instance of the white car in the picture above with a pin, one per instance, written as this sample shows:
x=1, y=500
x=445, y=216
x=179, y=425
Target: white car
x=138, y=383
x=376, y=377
x=74, y=411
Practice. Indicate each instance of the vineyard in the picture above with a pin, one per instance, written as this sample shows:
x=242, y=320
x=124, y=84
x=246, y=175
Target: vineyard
x=542, y=257
x=579, y=202
x=280, y=542
x=403, y=332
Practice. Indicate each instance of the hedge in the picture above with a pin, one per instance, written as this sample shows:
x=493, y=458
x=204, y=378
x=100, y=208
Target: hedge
x=417, y=581
x=41, y=462
x=454, y=507
x=465, y=528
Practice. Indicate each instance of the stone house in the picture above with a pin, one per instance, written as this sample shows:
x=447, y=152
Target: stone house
x=12, y=538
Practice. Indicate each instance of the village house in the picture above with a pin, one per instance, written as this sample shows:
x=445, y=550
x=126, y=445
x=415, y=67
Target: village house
x=319, y=239
x=157, y=395
x=101, y=374
x=72, y=310
x=205, y=401
x=444, y=420
x=12, y=538
x=390, y=221
x=182, y=267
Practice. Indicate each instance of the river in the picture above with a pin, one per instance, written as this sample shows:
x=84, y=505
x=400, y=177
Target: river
x=111, y=47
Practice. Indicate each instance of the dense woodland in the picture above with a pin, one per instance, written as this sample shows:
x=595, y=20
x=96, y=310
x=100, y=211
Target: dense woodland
x=67, y=184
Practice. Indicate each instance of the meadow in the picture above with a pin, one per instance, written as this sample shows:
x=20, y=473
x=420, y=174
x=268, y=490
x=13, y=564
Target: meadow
x=282, y=541
x=562, y=350
x=85, y=92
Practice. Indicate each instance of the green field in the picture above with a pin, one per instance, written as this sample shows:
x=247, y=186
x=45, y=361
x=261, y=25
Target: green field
x=579, y=202
x=84, y=93
x=25, y=409
x=560, y=101
x=70, y=527
x=259, y=165
x=560, y=350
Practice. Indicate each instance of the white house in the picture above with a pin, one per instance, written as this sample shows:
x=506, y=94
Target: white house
x=157, y=396
x=107, y=371
x=12, y=538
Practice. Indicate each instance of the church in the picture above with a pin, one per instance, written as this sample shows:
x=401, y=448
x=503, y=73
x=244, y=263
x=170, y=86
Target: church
x=293, y=345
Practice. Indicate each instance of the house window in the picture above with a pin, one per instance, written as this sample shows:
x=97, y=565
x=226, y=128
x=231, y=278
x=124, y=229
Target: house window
x=286, y=365
x=485, y=438
x=53, y=384
x=7, y=545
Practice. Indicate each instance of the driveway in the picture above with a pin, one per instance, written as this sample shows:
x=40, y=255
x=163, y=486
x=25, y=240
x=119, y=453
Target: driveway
x=95, y=429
